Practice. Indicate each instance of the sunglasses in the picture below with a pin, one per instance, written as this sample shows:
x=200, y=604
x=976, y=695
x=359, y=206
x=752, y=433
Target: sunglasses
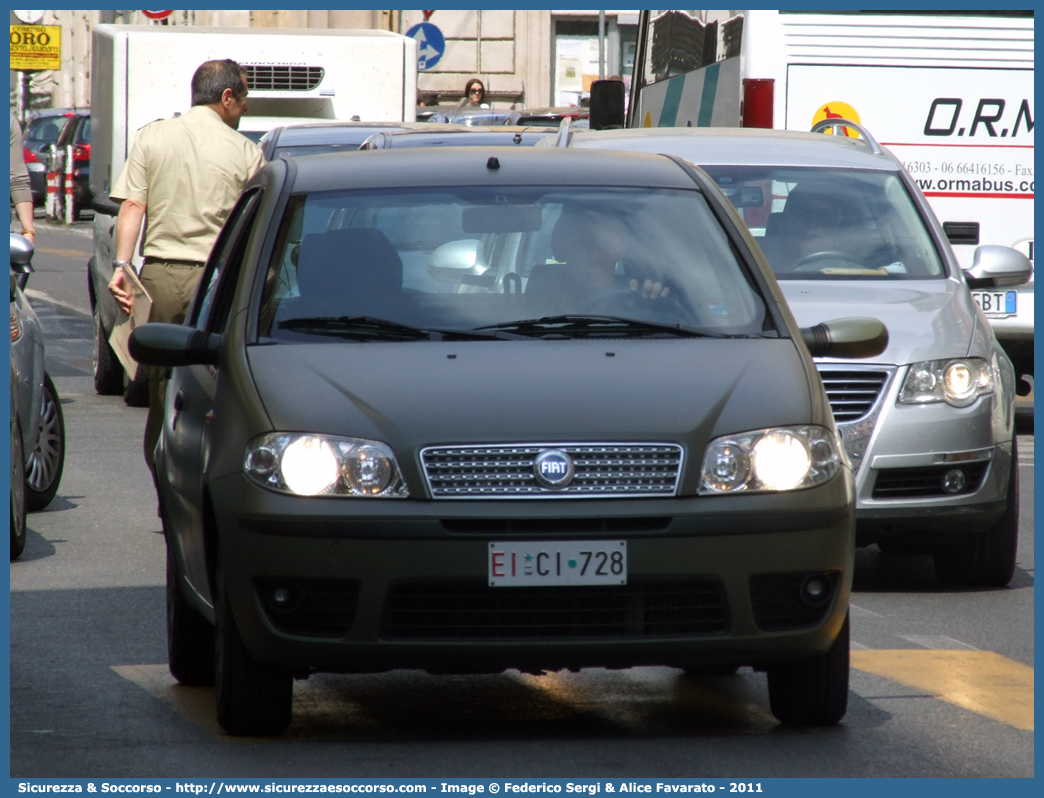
x=476, y=91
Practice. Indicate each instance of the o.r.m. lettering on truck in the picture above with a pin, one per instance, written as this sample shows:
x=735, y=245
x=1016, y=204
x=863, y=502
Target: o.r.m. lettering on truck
x=944, y=118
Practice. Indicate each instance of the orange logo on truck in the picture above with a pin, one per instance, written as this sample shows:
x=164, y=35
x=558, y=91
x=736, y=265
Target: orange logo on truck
x=838, y=110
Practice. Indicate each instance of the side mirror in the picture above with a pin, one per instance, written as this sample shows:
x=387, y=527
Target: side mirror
x=159, y=344
x=994, y=266
x=104, y=205
x=607, y=104
x=457, y=262
x=856, y=338
x=21, y=254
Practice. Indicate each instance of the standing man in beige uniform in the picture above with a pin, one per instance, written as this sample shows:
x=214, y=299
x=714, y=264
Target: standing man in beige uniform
x=182, y=177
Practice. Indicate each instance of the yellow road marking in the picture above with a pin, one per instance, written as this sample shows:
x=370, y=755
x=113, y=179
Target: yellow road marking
x=982, y=681
x=199, y=703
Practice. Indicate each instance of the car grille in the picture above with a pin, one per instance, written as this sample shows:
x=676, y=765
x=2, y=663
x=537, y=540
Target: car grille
x=927, y=481
x=499, y=527
x=779, y=604
x=314, y=607
x=852, y=392
x=473, y=610
x=506, y=471
x=283, y=78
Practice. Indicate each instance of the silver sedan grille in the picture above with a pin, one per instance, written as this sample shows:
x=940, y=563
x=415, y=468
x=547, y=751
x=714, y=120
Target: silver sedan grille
x=852, y=391
x=507, y=471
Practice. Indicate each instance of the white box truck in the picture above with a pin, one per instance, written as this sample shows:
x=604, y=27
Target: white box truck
x=141, y=73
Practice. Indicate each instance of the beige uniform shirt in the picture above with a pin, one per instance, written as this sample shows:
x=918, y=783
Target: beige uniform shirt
x=189, y=171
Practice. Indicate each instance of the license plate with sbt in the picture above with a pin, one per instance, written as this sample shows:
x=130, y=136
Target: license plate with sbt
x=589, y=562
x=997, y=304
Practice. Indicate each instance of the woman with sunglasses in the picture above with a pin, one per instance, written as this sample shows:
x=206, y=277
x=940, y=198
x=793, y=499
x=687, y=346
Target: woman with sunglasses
x=474, y=94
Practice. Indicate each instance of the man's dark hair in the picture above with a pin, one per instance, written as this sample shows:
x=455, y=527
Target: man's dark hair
x=213, y=77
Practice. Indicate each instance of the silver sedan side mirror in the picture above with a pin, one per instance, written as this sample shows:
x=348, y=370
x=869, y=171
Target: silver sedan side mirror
x=994, y=266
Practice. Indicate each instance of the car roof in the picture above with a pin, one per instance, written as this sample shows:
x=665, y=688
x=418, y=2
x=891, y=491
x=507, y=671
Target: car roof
x=462, y=136
x=555, y=111
x=468, y=166
x=735, y=146
x=336, y=132
x=39, y=113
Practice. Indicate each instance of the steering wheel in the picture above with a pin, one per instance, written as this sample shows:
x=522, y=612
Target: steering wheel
x=810, y=263
x=630, y=299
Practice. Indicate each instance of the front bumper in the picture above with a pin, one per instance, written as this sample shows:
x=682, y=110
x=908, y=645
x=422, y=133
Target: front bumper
x=908, y=450
x=385, y=561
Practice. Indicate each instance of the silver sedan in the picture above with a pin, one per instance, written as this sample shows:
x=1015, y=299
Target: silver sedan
x=929, y=422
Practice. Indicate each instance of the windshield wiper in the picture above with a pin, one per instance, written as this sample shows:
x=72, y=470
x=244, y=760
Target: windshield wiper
x=567, y=326
x=371, y=328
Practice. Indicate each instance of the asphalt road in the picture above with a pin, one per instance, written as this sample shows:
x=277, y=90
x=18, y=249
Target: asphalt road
x=942, y=683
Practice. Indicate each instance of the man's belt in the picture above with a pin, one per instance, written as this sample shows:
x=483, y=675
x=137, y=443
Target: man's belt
x=175, y=262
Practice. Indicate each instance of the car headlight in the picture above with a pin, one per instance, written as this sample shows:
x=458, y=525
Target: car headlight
x=323, y=465
x=958, y=382
x=782, y=458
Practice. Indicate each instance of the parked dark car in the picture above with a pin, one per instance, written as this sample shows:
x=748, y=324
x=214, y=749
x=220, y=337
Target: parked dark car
x=459, y=414
x=41, y=132
x=38, y=416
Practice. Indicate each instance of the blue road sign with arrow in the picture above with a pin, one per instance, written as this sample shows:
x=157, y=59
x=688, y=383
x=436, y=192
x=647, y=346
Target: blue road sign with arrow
x=431, y=44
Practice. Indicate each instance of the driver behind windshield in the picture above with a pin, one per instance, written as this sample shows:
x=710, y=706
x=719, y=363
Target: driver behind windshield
x=588, y=247
x=821, y=229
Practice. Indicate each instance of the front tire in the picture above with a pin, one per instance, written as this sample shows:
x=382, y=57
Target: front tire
x=988, y=558
x=190, y=638
x=812, y=691
x=43, y=466
x=253, y=698
x=17, y=492
x=136, y=391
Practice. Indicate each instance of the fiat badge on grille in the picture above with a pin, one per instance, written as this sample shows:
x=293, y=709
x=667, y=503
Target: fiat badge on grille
x=553, y=468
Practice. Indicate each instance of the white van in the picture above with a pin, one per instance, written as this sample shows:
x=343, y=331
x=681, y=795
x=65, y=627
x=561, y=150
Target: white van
x=141, y=73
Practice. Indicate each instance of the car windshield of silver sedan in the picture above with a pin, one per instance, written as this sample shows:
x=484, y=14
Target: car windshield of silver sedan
x=506, y=263
x=832, y=224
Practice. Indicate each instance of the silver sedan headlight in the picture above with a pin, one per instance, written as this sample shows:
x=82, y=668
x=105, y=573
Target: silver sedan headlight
x=958, y=382
x=323, y=465
x=777, y=459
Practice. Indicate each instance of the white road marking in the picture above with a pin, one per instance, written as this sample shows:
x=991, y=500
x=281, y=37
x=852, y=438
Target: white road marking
x=862, y=612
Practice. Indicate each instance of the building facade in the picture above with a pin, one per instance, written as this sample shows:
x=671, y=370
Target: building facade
x=526, y=58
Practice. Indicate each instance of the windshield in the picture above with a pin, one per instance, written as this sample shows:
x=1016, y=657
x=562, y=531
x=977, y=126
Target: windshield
x=481, y=258
x=832, y=224
x=45, y=129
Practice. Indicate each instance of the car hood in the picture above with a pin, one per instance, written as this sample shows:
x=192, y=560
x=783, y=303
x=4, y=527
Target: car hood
x=926, y=319
x=416, y=394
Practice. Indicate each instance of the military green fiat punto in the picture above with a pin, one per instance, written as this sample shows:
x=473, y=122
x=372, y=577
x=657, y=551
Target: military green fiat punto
x=489, y=408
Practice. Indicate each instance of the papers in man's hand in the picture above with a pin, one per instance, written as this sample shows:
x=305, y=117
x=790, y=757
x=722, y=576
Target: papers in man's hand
x=125, y=324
